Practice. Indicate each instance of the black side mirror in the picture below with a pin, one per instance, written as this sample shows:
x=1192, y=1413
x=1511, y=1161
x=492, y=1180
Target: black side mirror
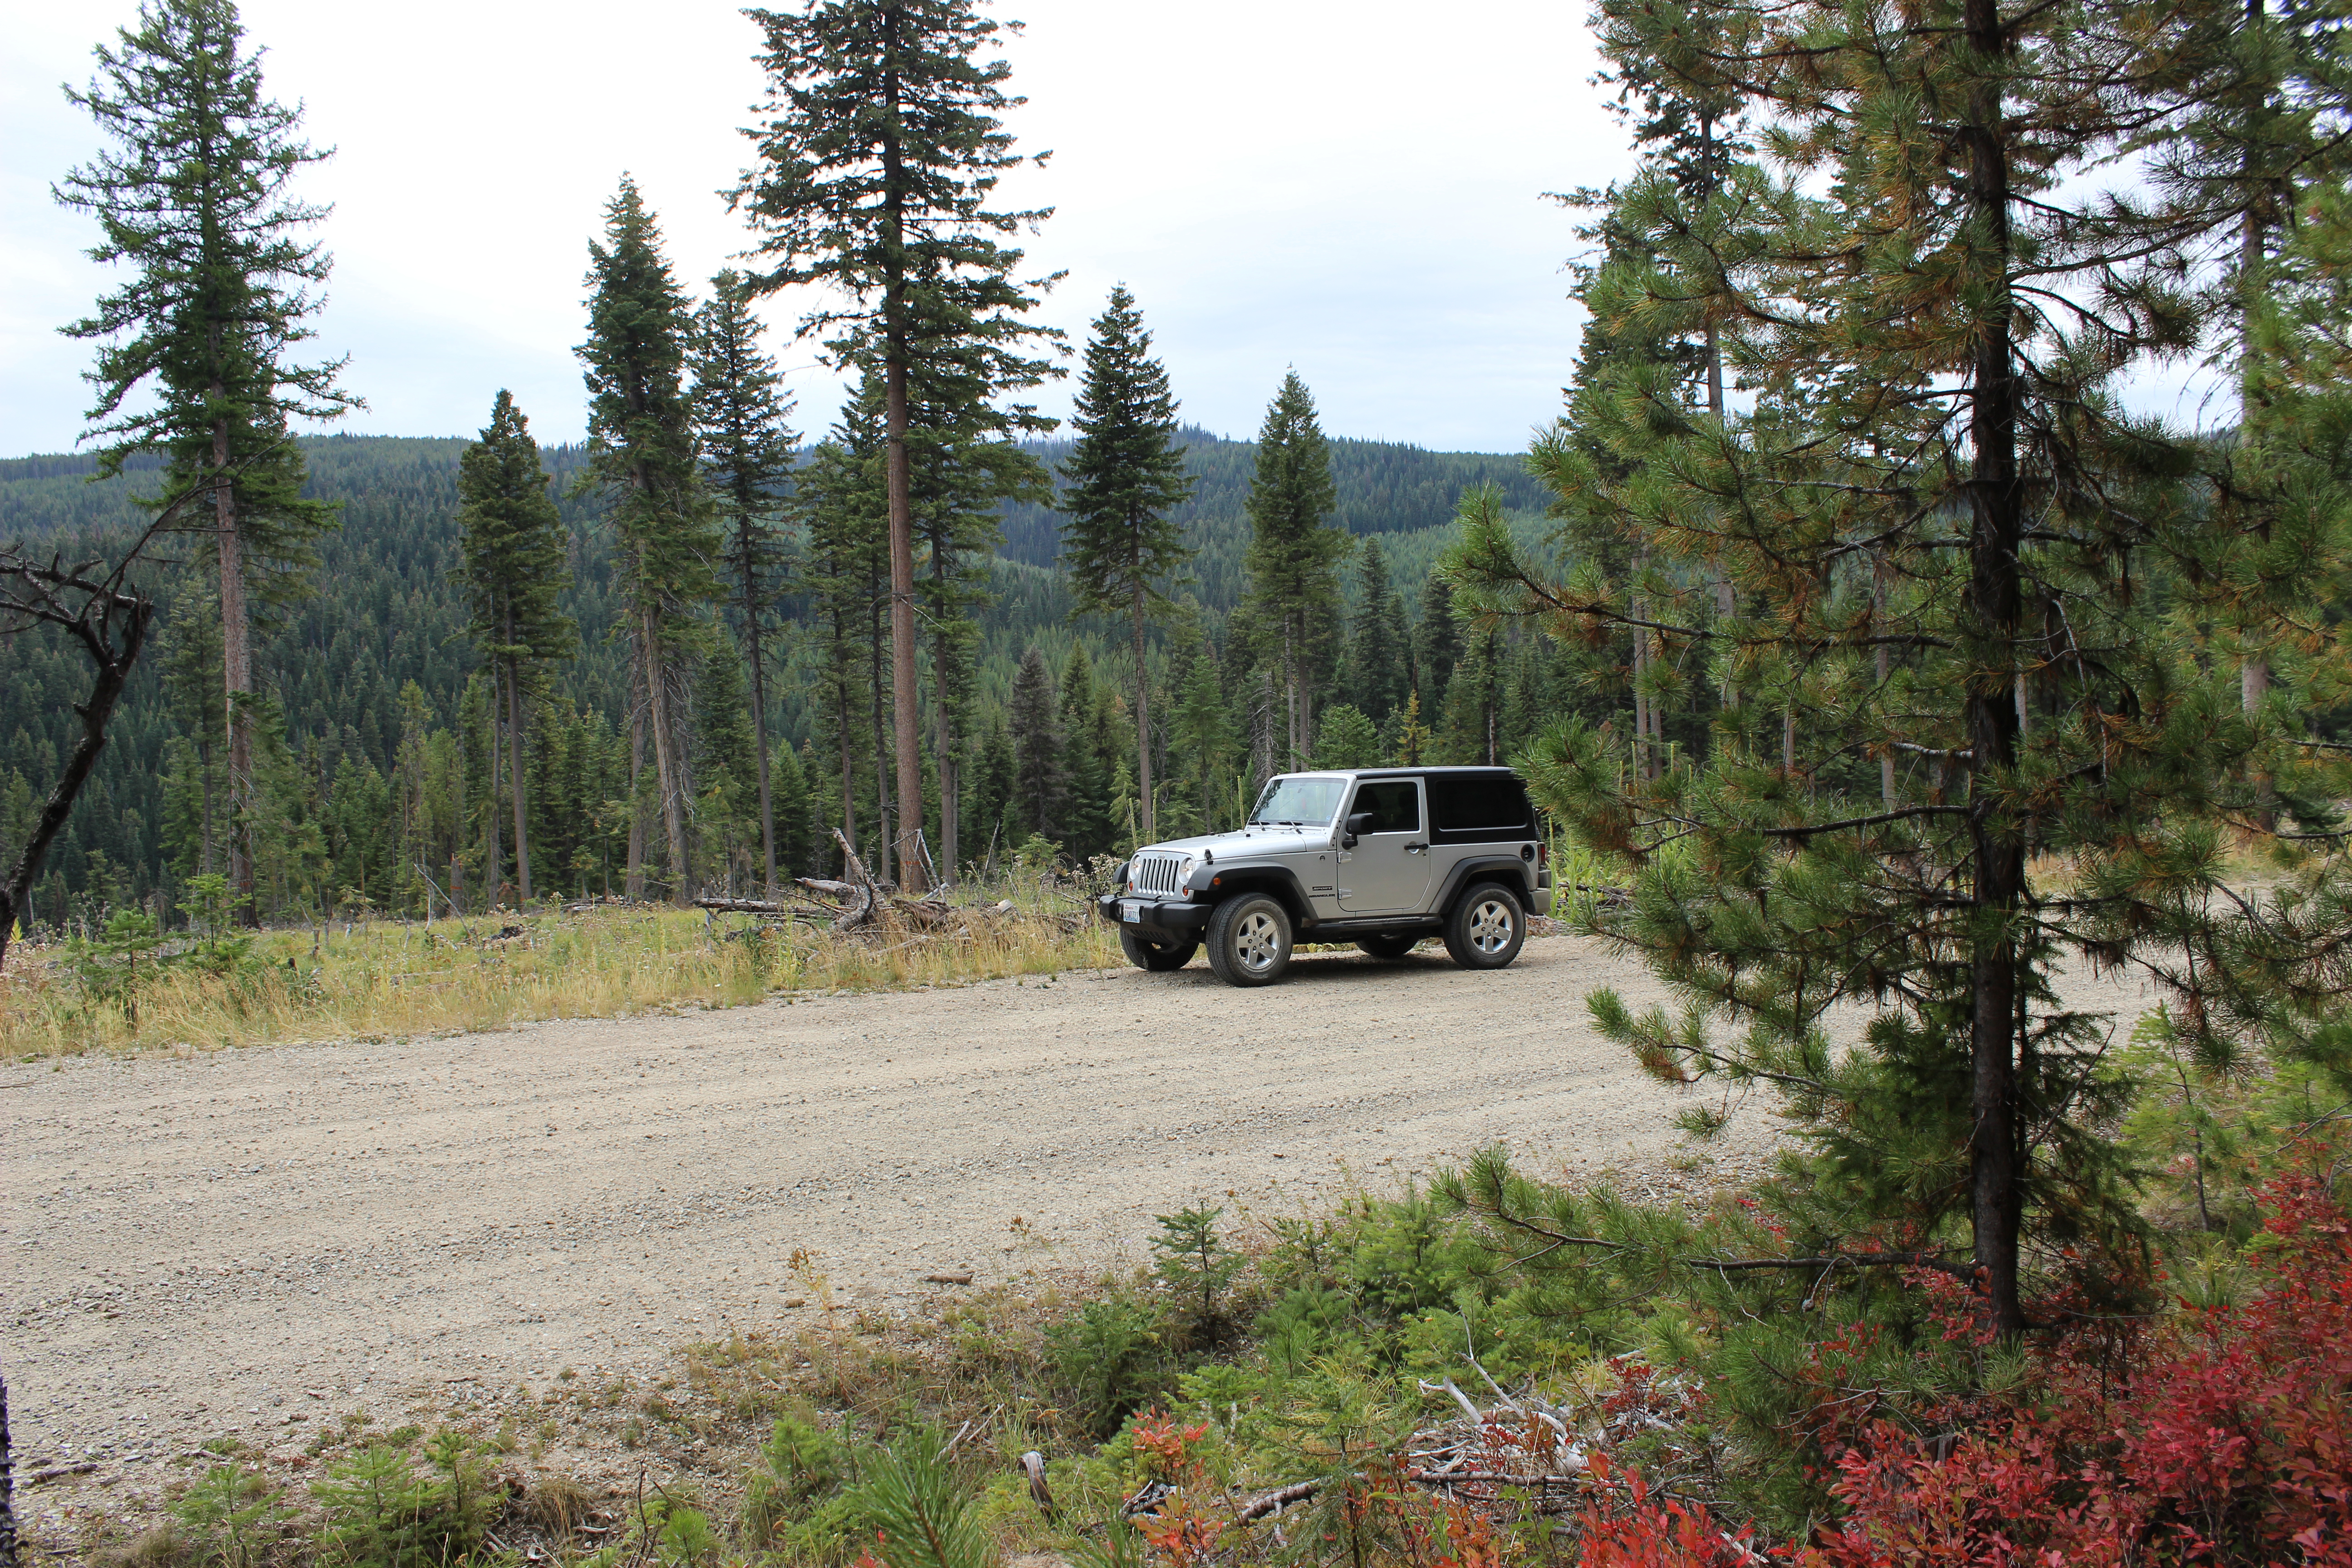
x=1359, y=823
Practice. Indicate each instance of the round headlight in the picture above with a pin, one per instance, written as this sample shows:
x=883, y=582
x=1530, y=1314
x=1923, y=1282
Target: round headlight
x=1185, y=872
x=1127, y=875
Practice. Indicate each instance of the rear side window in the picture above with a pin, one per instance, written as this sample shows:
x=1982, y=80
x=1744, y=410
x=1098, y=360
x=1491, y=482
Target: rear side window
x=1394, y=803
x=1475, y=804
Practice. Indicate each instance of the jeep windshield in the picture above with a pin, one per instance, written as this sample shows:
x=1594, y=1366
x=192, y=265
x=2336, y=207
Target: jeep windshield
x=1298, y=803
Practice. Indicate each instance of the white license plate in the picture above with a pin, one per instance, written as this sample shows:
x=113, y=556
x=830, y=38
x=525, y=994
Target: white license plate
x=1129, y=911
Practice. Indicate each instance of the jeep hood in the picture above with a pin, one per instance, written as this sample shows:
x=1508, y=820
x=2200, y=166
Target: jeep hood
x=1247, y=841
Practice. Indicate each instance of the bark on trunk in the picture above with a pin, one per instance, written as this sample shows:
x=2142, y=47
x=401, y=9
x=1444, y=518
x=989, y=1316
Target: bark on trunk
x=113, y=675
x=759, y=719
x=633, y=883
x=882, y=791
x=668, y=766
x=896, y=354
x=1143, y=727
x=1995, y=601
x=514, y=742
x=494, y=863
x=237, y=673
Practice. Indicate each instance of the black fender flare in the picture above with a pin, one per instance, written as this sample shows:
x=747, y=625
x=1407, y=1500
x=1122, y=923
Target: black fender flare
x=1508, y=869
x=1280, y=882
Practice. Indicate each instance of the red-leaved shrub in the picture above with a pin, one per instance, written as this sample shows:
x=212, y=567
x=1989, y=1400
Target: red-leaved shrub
x=2230, y=1443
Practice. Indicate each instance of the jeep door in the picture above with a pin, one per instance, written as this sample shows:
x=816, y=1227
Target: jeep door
x=1388, y=870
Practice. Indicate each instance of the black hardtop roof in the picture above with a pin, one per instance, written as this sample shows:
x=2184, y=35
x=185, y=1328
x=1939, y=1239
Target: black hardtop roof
x=1424, y=773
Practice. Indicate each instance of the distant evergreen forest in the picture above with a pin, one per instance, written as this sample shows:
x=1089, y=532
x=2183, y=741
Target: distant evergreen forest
x=377, y=773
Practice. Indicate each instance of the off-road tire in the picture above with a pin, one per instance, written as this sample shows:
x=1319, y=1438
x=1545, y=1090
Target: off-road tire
x=1144, y=953
x=1249, y=940
x=1389, y=946
x=1486, y=927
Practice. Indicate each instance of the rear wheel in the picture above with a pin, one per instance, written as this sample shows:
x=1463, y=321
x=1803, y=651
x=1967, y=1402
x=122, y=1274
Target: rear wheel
x=1389, y=946
x=1145, y=953
x=1487, y=928
x=1249, y=940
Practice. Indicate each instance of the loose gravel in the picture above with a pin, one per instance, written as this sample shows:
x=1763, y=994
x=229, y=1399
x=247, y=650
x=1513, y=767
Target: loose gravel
x=239, y=1243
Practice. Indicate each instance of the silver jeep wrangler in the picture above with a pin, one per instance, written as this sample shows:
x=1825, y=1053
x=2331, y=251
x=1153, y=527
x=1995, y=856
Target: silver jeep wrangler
x=1378, y=857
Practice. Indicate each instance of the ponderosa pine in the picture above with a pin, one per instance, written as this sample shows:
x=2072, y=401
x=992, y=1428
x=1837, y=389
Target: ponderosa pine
x=642, y=450
x=515, y=552
x=1124, y=476
x=1294, y=556
x=879, y=149
x=1938, y=467
x=196, y=196
x=748, y=453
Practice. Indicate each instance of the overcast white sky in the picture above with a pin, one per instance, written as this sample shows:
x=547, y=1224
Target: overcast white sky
x=1354, y=189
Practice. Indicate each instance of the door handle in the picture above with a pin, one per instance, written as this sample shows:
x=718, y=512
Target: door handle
x=1417, y=848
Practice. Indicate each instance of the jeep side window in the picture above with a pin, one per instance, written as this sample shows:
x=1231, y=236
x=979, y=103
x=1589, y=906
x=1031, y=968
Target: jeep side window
x=1478, y=803
x=1394, y=805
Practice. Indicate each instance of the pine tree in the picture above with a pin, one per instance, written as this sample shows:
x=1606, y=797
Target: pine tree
x=1348, y=739
x=514, y=551
x=1125, y=473
x=194, y=196
x=878, y=155
x=1437, y=643
x=1039, y=785
x=1937, y=466
x=739, y=409
x=642, y=450
x=1376, y=677
x=1292, y=558
x=1086, y=818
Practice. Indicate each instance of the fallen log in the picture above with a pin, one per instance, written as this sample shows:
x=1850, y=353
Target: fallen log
x=863, y=895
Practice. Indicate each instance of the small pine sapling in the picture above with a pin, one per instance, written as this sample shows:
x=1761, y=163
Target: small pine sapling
x=1193, y=1259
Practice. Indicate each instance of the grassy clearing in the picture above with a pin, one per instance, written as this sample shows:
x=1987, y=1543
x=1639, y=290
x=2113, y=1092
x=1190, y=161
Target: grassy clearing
x=386, y=979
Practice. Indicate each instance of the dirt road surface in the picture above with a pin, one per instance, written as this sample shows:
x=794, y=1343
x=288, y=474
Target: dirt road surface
x=196, y=1244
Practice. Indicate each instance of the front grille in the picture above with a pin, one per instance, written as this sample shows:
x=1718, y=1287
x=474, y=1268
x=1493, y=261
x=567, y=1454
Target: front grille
x=1156, y=873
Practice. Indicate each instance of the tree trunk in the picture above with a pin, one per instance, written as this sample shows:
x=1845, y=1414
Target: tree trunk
x=16, y=894
x=493, y=860
x=1995, y=603
x=842, y=727
x=1143, y=726
x=634, y=884
x=514, y=739
x=2254, y=670
x=668, y=766
x=895, y=354
x=759, y=716
x=8, y=1551
x=237, y=672
x=882, y=791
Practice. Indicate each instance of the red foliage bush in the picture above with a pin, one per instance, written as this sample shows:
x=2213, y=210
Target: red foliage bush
x=2231, y=1443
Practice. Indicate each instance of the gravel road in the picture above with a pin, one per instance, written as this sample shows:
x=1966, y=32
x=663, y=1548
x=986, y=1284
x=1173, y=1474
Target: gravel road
x=196, y=1243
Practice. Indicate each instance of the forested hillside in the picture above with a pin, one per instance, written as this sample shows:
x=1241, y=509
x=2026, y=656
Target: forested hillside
x=360, y=765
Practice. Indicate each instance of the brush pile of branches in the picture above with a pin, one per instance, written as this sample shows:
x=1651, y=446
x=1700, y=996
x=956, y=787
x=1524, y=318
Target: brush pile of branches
x=863, y=904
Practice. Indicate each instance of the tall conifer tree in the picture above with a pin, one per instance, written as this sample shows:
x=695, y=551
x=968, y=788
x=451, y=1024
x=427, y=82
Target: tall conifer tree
x=515, y=551
x=194, y=196
x=1293, y=558
x=642, y=450
x=739, y=408
x=1934, y=317
x=878, y=158
x=1125, y=474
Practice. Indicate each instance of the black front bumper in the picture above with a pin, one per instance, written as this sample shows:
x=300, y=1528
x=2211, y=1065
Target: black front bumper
x=1179, y=920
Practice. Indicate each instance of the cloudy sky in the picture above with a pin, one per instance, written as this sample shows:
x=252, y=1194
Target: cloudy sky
x=1347, y=188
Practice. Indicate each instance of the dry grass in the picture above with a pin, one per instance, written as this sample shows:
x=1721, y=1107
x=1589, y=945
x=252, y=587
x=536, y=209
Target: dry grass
x=389, y=979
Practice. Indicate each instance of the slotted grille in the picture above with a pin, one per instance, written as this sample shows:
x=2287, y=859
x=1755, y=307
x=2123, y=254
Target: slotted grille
x=1156, y=874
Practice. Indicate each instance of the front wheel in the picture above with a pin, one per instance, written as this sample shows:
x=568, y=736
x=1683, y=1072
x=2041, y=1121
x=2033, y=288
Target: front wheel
x=1249, y=940
x=1487, y=927
x=1144, y=953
